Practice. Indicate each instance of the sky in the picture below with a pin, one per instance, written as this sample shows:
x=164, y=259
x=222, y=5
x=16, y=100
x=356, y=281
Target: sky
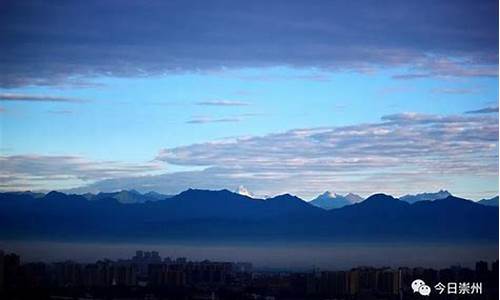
x=277, y=96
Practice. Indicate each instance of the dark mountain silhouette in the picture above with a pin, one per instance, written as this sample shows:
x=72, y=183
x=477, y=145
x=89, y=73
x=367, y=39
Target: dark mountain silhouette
x=442, y=194
x=445, y=219
x=224, y=215
x=329, y=200
x=130, y=196
x=489, y=202
x=223, y=204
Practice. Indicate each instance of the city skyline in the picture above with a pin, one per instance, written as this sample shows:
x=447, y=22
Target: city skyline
x=147, y=273
x=278, y=97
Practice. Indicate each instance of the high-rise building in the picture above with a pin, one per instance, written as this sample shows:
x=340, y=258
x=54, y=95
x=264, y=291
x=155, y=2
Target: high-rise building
x=334, y=283
x=354, y=282
x=388, y=282
x=481, y=267
x=11, y=270
x=124, y=274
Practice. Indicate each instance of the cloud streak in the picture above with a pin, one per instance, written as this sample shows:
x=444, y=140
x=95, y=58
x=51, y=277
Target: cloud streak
x=6, y=97
x=487, y=110
x=223, y=103
x=206, y=120
x=60, y=112
x=454, y=91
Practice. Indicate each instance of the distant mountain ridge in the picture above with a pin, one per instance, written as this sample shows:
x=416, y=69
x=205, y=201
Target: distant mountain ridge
x=329, y=200
x=224, y=215
x=128, y=196
x=441, y=194
x=490, y=202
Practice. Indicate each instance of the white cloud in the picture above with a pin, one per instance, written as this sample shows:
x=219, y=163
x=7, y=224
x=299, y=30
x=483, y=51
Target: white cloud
x=406, y=152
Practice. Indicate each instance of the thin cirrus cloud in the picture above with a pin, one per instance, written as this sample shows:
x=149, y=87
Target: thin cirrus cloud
x=45, y=43
x=36, y=171
x=36, y=98
x=60, y=112
x=405, y=152
x=206, y=120
x=223, y=103
x=454, y=91
x=487, y=110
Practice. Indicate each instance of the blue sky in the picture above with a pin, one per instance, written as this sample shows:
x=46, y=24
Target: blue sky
x=106, y=105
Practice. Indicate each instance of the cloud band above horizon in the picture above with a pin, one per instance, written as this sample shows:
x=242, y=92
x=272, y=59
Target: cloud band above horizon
x=405, y=152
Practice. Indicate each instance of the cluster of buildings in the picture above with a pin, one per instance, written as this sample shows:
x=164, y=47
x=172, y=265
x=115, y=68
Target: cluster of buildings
x=150, y=272
x=143, y=269
x=389, y=283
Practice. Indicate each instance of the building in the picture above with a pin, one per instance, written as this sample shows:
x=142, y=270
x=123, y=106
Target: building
x=1, y=271
x=143, y=259
x=123, y=274
x=68, y=274
x=11, y=270
x=389, y=282
x=334, y=284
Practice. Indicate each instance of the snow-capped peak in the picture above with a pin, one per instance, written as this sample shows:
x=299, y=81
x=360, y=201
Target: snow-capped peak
x=244, y=192
x=329, y=194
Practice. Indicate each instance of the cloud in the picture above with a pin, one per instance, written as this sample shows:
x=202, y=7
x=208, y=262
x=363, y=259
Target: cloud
x=38, y=171
x=60, y=112
x=223, y=103
x=205, y=120
x=406, y=152
x=47, y=43
x=267, y=77
x=454, y=91
x=403, y=139
x=432, y=66
x=36, y=98
x=486, y=110
x=229, y=119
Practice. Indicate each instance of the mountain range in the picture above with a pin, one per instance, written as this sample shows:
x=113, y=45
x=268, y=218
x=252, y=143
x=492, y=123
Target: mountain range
x=329, y=200
x=490, y=202
x=130, y=196
x=223, y=215
x=442, y=194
